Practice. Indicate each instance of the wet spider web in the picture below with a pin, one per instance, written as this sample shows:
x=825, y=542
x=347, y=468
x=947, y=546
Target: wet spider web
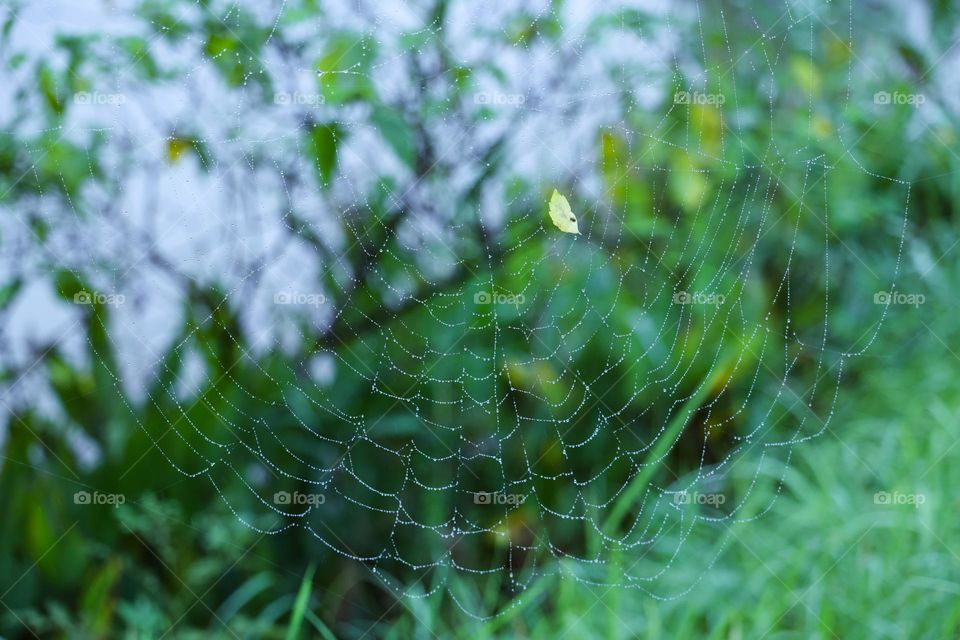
x=417, y=368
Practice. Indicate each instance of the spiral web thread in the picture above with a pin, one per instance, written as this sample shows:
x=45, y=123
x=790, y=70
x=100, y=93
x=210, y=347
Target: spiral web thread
x=546, y=361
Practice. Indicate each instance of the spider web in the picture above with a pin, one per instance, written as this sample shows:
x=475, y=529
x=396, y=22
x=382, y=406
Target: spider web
x=482, y=396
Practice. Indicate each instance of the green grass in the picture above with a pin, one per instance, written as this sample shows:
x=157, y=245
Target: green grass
x=826, y=561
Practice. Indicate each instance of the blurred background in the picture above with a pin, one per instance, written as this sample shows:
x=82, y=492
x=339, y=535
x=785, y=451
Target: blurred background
x=290, y=347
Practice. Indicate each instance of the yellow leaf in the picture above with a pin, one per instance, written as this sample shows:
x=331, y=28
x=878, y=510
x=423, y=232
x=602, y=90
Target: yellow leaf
x=175, y=149
x=806, y=75
x=821, y=127
x=706, y=120
x=688, y=184
x=562, y=215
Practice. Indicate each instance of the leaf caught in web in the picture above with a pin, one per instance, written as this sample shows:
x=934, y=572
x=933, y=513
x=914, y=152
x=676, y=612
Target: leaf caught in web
x=562, y=215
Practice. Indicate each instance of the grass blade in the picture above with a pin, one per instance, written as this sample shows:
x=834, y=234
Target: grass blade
x=300, y=605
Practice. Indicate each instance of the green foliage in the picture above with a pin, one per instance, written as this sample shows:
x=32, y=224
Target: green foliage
x=322, y=149
x=396, y=132
x=824, y=561
x=343, y=69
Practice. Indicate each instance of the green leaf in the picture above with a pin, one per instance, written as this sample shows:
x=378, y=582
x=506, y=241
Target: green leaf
x=52, y=93
x=300, y=605
x=344, y=69
x=235, y=50
x=61, y=165
x=322, y=148
x=162, y=21
x=9, y=291
x=396, y=132
x=138, y=51
x=249, y=590
x=667, y=439
x=68, y=284
x=97, y=601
